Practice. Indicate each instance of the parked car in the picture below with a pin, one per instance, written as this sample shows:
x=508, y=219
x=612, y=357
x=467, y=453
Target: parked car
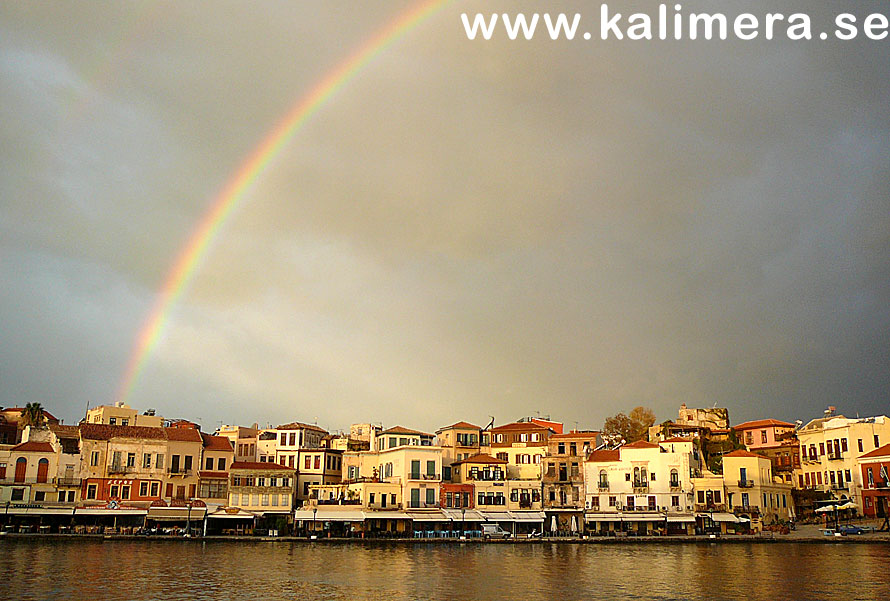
x=850, y=529
x=494, y=531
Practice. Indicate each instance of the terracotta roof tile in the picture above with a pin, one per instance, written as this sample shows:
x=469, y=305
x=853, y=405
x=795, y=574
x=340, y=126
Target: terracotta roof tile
x=520, y=426
x=640, y=444
x=33, y=447
x=763, y=423
x=65, y=431
x=604, y=456
x=576, y=434
x=183, y=434
x=213, y=474
x=216, y=443
x=401, y=430
x=743, y=453
x=480, y=458
x=106, y=432
x=883, y=451
x=460, y=425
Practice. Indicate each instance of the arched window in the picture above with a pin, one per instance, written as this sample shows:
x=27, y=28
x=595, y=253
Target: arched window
x=42, y=470
x=604, y=479
x=675, y=478
x=21, y=466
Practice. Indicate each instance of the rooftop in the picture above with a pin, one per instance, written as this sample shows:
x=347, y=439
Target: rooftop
x=763, y=423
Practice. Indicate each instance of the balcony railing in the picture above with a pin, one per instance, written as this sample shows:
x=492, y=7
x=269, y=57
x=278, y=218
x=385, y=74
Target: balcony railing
x=117, y=468
x=179, y=471
x=751, y=509
x=68, y=481
x=746, y=483
x=705, y=507
x=835, y=456
x=641, y=485
x=602, y=486
x=839, y=487
x=339, y=502
x=431, y=477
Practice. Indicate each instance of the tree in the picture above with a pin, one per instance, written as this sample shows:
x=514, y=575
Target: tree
x=32, y=415
x=629, y=428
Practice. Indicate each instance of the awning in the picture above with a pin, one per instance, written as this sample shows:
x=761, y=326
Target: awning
x=720, y=517
x=496, y=516
x=40, y=511
x=528, y=516
x=110, y=512
x=428, y=516
x=624, y=517
x=176, y=513
x=674, y=519
x=467, y=515
x=386, y=515
x=230, y=514
x=330, y=515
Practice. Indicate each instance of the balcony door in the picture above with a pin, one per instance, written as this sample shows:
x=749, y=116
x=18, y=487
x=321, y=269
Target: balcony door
x=21, y=466
x=42, y=469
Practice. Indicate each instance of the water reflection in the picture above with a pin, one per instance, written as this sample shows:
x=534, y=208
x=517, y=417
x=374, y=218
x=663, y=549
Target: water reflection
x=94, y=570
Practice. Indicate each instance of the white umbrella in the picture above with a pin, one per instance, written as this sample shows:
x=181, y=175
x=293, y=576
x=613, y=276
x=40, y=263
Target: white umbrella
x=553, y=523
x=847, y=505
x=826, y=508
x=574, y=524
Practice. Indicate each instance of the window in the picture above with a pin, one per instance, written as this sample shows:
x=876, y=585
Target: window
x=155, y=489
x=844, y=445
x=847, y=475
x=763, y=436
x=94, y=458
x=675, y=501
x=131, y=459
x=39, y=495
x=146, y=460
x=265, y=500
x=208, y=464
x=613, y=501
x=821, y=448
x=415, y=497
x=113, y=492
x=415, y=469
x=675, y=479
x=749, y=437
x=561, y=448
x=188, y=463
x=317, y=461
x=307, y=462
x=143, y=489
x=18, y=494
x=235, y=499
x=595, y=503
x=860, y=445
x=630, y=503
x=283, y=439
x=159, y=461
x=261, y=481
x=877, y=441
x=430, y=496
x=745, y=502
x=125, y=422
x=125, y=492
x=112, y=421
x=430, y=468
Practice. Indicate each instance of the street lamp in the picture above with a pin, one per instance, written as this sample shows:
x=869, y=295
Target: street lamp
x=314, y=511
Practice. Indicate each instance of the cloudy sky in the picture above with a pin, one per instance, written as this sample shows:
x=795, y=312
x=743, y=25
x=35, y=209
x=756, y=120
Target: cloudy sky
x=466, y=229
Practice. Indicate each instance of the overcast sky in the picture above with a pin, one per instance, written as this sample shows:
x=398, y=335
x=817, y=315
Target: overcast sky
x=466, y=229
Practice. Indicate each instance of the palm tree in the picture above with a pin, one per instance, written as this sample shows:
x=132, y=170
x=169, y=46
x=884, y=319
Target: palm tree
x=33, y=415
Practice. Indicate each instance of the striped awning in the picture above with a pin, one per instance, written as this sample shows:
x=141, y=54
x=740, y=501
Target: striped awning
x=528, y=516
x=176, y=513
x=467, y=515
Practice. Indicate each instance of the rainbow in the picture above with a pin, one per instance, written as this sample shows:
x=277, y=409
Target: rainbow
x=221, y=208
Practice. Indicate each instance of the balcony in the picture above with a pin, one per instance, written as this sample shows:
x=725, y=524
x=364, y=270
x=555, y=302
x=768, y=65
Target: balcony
x=641, y=486
x=339, y=502
x=752, y=510
x=603, y=486
x=117, y=468
x=707, y=507
x=675, y=487
x=68, y=481
x=746, y=483
x=431, y=477
x=178, y=471
x=835, y=456
x=839, y=487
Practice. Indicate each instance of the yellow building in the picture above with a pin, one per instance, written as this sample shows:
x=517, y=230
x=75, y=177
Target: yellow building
x=753, y=492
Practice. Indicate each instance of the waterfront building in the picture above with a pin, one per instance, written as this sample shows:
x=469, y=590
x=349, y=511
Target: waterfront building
x=282, y=444
x=12, y=424
x=875, y=473
x=641, y=487
x=317, y=466
x=522, y=445
x=773, y=439
x=458, y=441
x=213, y=478
x=563, y=479
x=403, y=456
x=263, y=489
x=830, y=448
x=753, y=491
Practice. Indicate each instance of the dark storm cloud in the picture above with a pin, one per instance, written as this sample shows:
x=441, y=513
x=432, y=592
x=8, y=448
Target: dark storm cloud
x=466, y=229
